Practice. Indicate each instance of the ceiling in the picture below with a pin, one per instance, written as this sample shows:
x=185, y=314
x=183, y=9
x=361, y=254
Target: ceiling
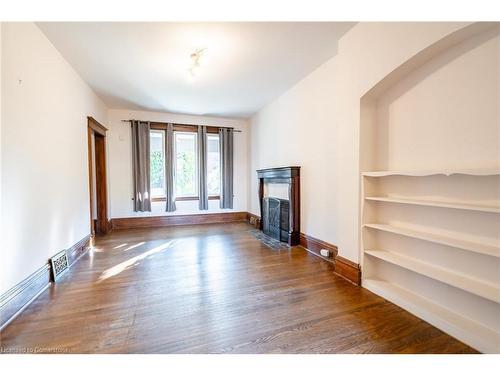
x=145, y=65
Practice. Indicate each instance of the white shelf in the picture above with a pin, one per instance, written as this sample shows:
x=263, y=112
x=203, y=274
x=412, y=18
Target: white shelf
x=460, y=327
x=470, y=172
x=478, y=287
x=454, y=205
x=470, y=245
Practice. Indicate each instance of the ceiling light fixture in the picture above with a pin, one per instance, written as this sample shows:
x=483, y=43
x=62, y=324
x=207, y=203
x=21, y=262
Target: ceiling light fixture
x=198, y=59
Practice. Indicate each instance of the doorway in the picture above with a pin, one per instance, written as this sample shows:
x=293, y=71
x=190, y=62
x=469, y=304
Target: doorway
x=97, y=177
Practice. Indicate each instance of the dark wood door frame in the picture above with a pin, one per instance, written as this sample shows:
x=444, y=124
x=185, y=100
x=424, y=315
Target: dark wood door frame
x=97, y=132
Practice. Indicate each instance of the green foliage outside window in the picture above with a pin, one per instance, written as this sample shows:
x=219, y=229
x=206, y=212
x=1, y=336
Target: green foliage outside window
x=185, y=178
x=156, y=163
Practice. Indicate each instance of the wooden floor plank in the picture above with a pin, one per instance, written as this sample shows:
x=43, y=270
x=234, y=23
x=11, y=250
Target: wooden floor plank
x=213, y=289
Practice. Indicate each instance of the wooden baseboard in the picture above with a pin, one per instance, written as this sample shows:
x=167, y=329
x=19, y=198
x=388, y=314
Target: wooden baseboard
x=315, y=245
x=77, y=250
x=253, y=220
x=16, y=299
x=348, y=270
x=165, y=221
x=21, y=295
x=343, y=267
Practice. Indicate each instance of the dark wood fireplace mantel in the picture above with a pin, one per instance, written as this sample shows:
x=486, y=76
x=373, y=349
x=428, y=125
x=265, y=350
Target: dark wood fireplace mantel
x=290, y=176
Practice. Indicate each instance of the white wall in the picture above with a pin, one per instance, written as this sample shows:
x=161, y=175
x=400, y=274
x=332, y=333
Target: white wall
x=120, y=165
x=317, y=122
x=445, y=114
x=45, y=198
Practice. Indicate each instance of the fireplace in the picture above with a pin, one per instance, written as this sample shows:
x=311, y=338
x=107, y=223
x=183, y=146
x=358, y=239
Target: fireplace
x=281, y=217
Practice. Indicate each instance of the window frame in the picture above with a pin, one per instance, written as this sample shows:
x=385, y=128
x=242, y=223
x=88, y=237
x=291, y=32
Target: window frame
x=196, y=169
x=183, y=129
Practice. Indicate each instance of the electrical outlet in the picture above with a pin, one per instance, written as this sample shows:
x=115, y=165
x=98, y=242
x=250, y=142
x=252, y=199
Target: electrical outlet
x=325, y=253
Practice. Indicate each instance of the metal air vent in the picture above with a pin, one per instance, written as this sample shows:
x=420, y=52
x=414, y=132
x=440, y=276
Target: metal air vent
x=59, y=264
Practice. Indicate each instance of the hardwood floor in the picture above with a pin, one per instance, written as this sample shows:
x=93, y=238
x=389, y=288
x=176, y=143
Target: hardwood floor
x=212, y=289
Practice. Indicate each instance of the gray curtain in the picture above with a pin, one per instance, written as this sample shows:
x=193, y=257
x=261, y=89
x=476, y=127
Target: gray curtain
x=169, y=169
x=202, y=167
x=140, y=165
x=226, y=167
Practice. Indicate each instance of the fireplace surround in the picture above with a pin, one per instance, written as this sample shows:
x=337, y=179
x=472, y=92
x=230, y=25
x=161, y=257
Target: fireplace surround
x=274, y=211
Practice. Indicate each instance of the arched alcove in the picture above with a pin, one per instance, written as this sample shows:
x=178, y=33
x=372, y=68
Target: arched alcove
x=430, y=194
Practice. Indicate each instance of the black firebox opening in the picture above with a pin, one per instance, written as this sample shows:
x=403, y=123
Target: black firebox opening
x=276, y=219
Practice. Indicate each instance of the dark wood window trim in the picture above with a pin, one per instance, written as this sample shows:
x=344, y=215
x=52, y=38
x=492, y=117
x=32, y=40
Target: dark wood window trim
x=183, y=128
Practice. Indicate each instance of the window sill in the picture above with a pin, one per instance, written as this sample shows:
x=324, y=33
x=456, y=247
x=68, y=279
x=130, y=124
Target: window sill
x=163, y=199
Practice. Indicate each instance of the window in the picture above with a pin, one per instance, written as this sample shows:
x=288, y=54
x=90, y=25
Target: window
x=213, y=164
x=157, y=162
x=186, y=164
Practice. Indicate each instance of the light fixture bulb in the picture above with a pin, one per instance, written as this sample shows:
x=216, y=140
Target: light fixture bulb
x=198, y=59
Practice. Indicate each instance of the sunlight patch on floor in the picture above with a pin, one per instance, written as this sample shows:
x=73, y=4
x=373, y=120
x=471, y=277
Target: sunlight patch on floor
x=134, y=246
x=115, y=270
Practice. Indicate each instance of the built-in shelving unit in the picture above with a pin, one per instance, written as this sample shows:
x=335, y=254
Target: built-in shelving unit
x=408, y=255
x=430, y=234
x=430, y=191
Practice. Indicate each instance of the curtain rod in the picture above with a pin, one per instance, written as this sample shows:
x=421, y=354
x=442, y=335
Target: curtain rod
x=159, y=122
